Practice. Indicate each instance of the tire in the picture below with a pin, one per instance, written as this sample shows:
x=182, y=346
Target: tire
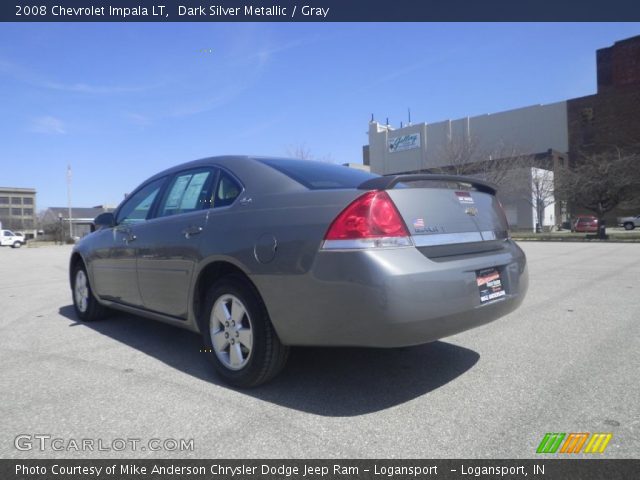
x=84, y=302
x=629, y=226
x=16, y=244
x=238, y=336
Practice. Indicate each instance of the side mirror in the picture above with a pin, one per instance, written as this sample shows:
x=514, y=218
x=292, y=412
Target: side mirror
x=104, y=220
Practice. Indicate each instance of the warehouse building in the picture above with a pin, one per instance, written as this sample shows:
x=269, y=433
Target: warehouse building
x=550, y=135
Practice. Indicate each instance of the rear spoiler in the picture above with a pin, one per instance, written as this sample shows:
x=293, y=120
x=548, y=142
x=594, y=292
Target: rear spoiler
x=387, y=182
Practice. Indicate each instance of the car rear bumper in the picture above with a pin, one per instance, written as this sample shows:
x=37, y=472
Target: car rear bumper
x=389, y=298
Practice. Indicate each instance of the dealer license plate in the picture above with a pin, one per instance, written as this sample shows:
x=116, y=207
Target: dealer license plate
x=490, y=285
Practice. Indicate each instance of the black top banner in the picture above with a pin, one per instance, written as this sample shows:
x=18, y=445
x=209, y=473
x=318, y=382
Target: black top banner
x=318, y=10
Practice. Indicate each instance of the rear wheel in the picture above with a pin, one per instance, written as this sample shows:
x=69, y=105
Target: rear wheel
x=629, y=226
x=84, y=302
x=238, y=335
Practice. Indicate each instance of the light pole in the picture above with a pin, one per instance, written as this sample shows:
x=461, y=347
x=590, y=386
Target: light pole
x=69, y=199
x=60, y=227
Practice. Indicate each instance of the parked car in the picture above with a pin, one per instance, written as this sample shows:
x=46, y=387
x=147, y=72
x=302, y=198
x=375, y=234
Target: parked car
x=9, y=238
x=629, y=223
x=585, y=223
x=260, y=254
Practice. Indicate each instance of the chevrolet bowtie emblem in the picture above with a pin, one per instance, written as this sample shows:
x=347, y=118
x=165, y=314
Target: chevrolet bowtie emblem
x=473, y=211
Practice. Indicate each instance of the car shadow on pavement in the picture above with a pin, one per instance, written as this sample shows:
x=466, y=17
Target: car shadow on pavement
x=337, y=382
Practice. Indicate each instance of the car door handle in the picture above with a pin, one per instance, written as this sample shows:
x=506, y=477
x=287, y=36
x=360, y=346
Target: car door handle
x=189, y=232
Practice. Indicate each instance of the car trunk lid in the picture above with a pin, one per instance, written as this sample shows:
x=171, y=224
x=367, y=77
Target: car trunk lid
x=447, y=215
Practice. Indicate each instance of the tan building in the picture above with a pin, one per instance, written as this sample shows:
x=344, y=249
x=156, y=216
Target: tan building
x=18, y=210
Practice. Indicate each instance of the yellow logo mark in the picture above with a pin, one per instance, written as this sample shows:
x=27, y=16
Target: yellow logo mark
x=598, y=443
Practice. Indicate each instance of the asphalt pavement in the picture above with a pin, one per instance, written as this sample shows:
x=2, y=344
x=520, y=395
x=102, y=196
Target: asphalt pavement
x=568, y=360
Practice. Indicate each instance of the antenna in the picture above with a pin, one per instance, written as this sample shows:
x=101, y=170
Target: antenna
x=387, y=121
x=409, y=110
x=372, y=118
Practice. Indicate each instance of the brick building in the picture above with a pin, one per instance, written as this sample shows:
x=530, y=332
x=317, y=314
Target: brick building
x=609, y=119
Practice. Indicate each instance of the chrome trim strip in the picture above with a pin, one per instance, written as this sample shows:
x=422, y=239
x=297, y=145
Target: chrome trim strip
x=365, y=243
x=446, y=239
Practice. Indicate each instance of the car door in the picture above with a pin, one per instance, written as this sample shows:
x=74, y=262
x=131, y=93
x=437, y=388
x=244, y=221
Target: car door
x=168, y=246
x=113, y=264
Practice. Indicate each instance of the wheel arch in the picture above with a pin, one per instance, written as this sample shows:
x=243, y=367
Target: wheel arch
x=73, y=261
x=210, y=274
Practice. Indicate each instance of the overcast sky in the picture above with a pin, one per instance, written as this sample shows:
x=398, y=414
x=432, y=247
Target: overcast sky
x=119, y=102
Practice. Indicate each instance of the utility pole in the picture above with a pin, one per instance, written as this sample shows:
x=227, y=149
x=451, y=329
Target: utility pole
x=69, y=199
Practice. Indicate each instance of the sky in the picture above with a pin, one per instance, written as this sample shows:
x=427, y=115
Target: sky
x=120, y=102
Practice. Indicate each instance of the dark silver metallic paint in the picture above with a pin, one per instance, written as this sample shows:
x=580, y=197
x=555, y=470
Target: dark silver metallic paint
x=274, y=233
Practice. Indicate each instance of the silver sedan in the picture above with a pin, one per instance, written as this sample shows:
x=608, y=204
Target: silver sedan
x=259, y=254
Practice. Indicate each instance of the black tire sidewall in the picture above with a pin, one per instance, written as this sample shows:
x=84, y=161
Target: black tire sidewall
x=94, y=309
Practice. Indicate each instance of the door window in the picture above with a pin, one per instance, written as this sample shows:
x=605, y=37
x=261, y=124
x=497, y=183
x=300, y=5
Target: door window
x=187, y=193
x=137, y=207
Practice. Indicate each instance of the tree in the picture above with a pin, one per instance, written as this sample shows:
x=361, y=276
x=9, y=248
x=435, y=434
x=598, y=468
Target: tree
x=302, y=152
x=517, y=175
x=600, y=182
x=534, y=185
x=542, y=192
x=499, y=165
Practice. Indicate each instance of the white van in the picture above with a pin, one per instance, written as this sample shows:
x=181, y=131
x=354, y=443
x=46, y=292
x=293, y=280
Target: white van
x=10, y=239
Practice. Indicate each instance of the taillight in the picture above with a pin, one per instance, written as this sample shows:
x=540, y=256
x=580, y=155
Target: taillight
x=371, y=220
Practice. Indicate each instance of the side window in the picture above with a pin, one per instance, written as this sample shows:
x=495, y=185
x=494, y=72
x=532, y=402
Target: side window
x=227, y=190
x=137, y=207
x=187, y=192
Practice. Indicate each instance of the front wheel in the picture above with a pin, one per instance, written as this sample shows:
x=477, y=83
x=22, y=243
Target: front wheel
x=238, y=335
x=84, y=302
x=629, y=226
x=16, y=244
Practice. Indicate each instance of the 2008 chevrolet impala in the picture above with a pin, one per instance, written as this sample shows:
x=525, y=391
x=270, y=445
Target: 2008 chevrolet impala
x=259, y=254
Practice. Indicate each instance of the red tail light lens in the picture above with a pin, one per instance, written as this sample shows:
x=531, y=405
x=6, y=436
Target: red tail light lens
x=373, y=215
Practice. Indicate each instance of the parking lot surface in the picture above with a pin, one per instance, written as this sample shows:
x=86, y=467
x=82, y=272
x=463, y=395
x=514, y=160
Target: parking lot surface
x=567, y=361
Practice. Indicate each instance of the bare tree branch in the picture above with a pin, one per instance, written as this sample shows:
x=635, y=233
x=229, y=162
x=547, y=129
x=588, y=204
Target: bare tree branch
x=302, y=152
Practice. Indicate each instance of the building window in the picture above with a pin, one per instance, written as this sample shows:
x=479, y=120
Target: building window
x=27, y=201
x=16, y=201
x=27, y=212
x=16, y=212
x=587, y=115
x=4, y=200
x=4, y=212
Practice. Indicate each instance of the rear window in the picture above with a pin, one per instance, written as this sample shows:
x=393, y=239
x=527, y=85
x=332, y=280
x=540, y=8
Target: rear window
x=318, y=175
